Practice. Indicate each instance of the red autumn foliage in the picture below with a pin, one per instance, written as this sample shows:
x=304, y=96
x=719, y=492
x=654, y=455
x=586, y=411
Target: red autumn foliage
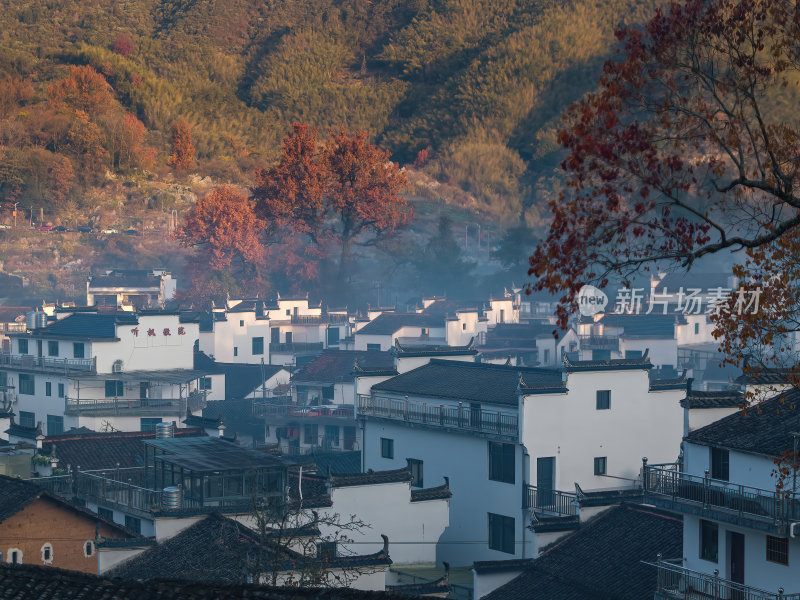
x=182, y=147
x=423, y=156
x=123, y=45
x=13, y=92
x=678, y=154
x=84, y=90
x=225, y=227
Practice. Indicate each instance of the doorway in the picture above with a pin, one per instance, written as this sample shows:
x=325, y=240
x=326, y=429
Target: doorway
x=736, y=556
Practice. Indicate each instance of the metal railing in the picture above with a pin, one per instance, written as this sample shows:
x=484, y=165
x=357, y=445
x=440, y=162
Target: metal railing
x=48, y=363
x=598, y=342
x=13, y=327
x=769, y=506
x=291, y=347
x=113, y=489
x=344, y=411
x=119, y=406
x=674, y=581
x=550, y=502
x=460, y=417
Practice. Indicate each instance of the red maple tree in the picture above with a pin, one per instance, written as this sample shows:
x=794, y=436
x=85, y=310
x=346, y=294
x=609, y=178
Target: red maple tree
x=83, y=90
x=123, y=45
x=182, y=147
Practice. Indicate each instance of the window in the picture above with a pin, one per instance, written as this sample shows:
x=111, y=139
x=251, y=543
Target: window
x=547, y=356
x=697, y=328
x=603, y=399
x=778, y=550
x=501, y=462
x=387, y=448
x=709, y=540
x=149, y=423
x=332, y=435
x=60, y=390
x=236, y=351
x=23, y=346
x=205, y=383
x=114, y=388
x=416, y=472
x=376, y=347
x=600, y=465
x=326, y=550
x=501, y=533
x=26, y=384
x=275, y=335
x=14, y=556
x=88, y=547
x=48, y=388
x=106, y=513
x=289, y=337
x=258, y=345
x=333, y=336
x=47, y=553
x=327, y=393
x=288, y=312
x=311, y=433
x=463, y=327
x=52, y=348
x=720, y=464
x=241, y=322
x=55, y=424
x=27, y=419
x=78, y=350
x=133, y=524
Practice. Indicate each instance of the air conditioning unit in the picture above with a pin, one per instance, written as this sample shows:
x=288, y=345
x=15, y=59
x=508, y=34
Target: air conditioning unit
x=794, y=530
x=116, y=367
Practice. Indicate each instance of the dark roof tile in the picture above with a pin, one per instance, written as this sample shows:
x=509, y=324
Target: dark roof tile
x=389, y=323
x=333, y=366
x=371, y=478
x=714, y=399
x=602, y=560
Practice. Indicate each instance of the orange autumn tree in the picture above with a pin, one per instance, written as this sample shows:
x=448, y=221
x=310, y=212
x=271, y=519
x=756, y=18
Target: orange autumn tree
x=342, y=193
x=182, y=148
x=83, y=90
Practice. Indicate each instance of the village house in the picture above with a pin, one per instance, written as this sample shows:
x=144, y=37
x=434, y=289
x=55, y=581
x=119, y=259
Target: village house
x=128, y=289
x=40, y=528
x=612, y=336
x=104, y=371
x=521, y=448
x=530, y=344
x=739, y=527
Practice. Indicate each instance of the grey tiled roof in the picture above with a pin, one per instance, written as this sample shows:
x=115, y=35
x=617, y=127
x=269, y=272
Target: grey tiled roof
x=471, y=382
x=765, y=428
x=334, y=366
x=371, y=478
x=642, y=326
x=767, y=377
x=87, y=326
x=614, y=364
x=435, y=493
x=602, y=560
x=388, y=323
x=31, y=582
x=714, y=399
x=15, y=495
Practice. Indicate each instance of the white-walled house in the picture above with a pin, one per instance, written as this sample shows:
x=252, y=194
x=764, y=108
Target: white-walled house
x=612, y=335
x=131, y=289
x=515, y=442
x=104, y=371
x=413, y=328
x=740, y=531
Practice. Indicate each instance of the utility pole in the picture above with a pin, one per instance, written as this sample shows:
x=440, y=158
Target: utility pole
x=15, y=214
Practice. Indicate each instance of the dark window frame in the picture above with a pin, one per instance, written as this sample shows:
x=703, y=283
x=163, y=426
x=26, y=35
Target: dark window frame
x=709, y=541
x=257, y=345
x=720, y=462
x=603, y=400
x=417, y=472
x=22, y=346
x=27, y=384
x=114, y=388
x=502, y=462
x=78, y=350
x=600, y=465
x=778, y=550
x=387, y=447
x=502, y=533
x=48, y=388
x=52, y=348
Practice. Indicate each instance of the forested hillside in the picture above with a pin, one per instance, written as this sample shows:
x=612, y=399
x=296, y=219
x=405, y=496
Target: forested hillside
x=469, y=91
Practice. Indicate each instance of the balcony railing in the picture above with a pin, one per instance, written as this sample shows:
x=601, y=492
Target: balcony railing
x=766, y=506
x=48, y=363
x=13, y=328
x=319, y=319
x=550, y=502
x=674, y=581
x=122, y=406
x=599, y=342
x=461, y=417
x=344, y=411
x=295, y=347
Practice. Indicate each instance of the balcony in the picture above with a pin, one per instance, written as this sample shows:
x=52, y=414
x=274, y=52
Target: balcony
x=295, y=347
x=550, y=503
x=47, y=364
x=463, y=419
x=677, y=583
x=13, y=327
x=295, y=411
x=766, y=510
x=599, y=342
x=98, y=407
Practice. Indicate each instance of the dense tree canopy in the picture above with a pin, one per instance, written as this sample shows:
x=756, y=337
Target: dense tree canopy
x=683, y=151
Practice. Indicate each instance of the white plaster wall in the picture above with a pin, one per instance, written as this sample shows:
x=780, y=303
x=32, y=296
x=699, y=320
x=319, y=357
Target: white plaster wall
x=107, y=558
x=363, y=339
x=364, y=384
x=232, y=334
x=684, y=333
x=148, y=527
x=700, y=417
x=464, y=459
x=413, y=528
x=403, y=364
x=570, y=428
x=167, y=527
x=661, y=351
x=483, y=584
x=754, y=470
